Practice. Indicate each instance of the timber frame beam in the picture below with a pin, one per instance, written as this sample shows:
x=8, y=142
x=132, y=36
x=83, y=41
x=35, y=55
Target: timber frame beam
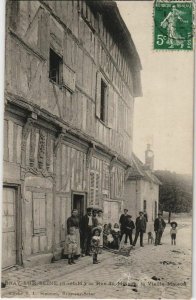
x=63, y=128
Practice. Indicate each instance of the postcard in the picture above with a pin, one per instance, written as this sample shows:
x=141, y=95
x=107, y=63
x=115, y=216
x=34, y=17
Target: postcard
x=98, y=149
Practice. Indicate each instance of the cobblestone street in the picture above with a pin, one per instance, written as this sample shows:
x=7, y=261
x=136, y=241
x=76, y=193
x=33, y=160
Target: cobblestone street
x=150, y=272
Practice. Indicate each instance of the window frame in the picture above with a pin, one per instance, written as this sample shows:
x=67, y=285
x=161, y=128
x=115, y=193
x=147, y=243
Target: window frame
x=60, y=67
x=144, y=205
x=103, y=101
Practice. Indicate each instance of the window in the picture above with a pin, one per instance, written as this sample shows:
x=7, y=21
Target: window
x=144, y=205
x=55, y=72
x=104, y=109
x=94, y=188
x=103, y=101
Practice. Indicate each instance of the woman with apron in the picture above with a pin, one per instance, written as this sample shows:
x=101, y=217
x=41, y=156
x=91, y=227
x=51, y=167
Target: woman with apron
x=73, y=221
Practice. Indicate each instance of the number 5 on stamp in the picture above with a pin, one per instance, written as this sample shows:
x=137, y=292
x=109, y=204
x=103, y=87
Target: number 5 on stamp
x=173, y=25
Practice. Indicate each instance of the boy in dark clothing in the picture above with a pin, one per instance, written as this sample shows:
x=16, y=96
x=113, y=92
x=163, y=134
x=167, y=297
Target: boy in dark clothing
x=116, y=236
x=159, y=226
x=129, y=226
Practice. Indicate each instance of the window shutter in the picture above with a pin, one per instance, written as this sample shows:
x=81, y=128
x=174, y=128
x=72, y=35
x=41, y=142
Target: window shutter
x=69, y=78
x=42, y=216
x=92, y=188
x=110, y=107
x=98, y=95
x=97, y=189
x=36, y=216
x=39, y=213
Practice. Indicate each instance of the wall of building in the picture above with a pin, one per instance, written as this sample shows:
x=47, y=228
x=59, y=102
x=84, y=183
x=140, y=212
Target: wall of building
x=150, y=193
x=47, y=171
x=136, y=191
x=89, y=53
x=133, y=197
x=55, y=144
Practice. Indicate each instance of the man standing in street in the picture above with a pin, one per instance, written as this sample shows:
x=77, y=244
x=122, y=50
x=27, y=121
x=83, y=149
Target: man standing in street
x=86, y=232
x=140, y=225
x=159, y=226
x=123, y=222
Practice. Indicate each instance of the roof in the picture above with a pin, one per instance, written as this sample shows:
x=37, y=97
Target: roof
x=116, y=25
x=139, y=171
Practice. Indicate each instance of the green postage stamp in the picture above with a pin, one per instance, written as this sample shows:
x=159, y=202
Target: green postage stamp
x=173, y=25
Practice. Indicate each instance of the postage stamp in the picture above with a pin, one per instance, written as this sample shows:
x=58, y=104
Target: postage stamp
x=173, y=25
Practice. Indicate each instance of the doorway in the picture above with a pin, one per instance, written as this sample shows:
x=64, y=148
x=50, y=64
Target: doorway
x=79, y=203
x=9, y=231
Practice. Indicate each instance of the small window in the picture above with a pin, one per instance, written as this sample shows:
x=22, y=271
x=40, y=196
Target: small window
x=103, y=101
x=56, y=62
x=144, y=205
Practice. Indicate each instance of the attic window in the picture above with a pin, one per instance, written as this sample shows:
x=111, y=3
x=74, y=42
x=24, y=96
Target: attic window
x=55, y=71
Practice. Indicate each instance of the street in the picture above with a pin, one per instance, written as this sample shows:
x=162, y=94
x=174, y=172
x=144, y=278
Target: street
x=150, y=272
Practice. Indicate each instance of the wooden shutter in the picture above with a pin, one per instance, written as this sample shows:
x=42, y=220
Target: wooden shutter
x=98, y=95
x=92, y=188
x=97, y=179
x=39, y=213
x=69, y=78
x=110, y=107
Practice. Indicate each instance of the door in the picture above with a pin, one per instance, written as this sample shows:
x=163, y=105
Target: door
x=79, y=203
x=9, y=227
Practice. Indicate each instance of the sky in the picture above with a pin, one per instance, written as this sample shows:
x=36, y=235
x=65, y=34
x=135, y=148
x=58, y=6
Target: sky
x=163, y=117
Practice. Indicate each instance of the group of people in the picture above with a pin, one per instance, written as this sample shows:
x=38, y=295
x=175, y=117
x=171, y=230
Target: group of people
x=85, y=235
x=88, y=235
x=127, y=226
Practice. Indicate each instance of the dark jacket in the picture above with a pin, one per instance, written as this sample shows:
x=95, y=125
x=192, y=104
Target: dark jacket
x=72, y=222
x=129, y=226
x=140, y=224
x=157, y=224
x=123, y=221
x=84, y=224
x=146, y=216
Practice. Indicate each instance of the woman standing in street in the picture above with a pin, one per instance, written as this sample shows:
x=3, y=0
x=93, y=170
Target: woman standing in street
x=73, y=221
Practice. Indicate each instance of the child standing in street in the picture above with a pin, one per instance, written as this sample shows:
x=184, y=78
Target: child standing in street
x=95, y=244
x=173, y=232
x=116, y=234
x=71, y=245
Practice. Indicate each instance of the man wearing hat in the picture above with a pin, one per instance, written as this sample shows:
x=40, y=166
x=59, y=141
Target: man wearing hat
x=140, y=225
x=86, y=232
x=159, y=226
x=123, y=222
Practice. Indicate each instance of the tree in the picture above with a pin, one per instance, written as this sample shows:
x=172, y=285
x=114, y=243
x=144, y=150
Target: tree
x=175, y=193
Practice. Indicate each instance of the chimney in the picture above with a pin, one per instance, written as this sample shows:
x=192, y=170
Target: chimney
x=149, y=158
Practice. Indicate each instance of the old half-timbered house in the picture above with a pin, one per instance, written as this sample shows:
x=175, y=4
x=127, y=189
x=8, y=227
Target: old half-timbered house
x=72, y=72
